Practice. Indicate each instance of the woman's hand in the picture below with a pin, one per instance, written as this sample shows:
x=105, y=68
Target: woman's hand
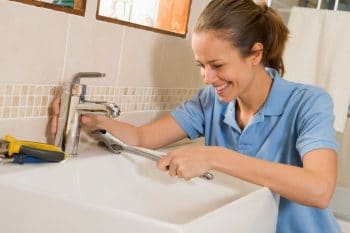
x=90, y=122
x=187, y=162
x=54, y=115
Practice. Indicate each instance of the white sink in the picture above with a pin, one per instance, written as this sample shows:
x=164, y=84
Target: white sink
x=102, y=192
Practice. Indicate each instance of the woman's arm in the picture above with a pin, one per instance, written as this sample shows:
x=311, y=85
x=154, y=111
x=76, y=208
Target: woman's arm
x=156, y=134
x=311, y=185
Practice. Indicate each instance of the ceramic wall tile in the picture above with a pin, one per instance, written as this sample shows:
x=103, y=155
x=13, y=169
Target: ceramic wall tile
x=196, y=8
x=34, y=101
x=93, y=46
x=34, y=129
x=179, y=68
x=142, y=56
x=32, y=43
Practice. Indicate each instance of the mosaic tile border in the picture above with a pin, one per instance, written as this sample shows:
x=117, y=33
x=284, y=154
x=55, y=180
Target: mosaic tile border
x=33, y=101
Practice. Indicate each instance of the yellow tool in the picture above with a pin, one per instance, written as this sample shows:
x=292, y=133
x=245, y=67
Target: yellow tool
x=10, y=147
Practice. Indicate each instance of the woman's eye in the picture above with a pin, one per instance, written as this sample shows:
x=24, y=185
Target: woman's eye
x=217, y=66
x=200, y=65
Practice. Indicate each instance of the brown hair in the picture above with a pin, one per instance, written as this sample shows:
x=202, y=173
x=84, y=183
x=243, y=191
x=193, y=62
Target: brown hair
x=245, y=23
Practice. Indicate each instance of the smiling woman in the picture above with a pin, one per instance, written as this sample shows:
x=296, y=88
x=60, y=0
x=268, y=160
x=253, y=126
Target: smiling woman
x=76, y=7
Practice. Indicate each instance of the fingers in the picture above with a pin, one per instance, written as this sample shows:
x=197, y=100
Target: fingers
x=186, y=163
x=164, y=163
x=54, y=113
x=173, y=169
x=53, y=123
x=171, y=163
x=90, y=122
x=85, y=120
x=56, y=105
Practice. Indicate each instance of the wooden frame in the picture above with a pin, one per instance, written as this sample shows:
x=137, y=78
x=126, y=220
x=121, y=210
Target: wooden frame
x=148, y=28
x=173, y=15
x=78, y=9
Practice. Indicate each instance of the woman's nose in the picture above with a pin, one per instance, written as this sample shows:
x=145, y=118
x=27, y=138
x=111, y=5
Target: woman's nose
x=209, y=75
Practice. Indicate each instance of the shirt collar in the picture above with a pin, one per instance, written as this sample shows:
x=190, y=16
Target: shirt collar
x=275, y=103
x=278, y=96
x=230, y=116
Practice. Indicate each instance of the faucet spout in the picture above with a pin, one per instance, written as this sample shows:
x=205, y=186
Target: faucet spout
x=98, y=108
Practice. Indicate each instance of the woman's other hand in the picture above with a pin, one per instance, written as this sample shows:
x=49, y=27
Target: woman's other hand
x=187, y=162
x=54, y=115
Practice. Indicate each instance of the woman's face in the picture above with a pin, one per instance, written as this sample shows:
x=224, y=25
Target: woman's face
x=222, y=66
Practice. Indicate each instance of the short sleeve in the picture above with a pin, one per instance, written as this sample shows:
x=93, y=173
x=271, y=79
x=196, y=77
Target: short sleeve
x=315, y=123
x=190, y=115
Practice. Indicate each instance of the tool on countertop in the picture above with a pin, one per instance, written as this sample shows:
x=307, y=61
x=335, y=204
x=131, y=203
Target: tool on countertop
x=28, y=151
x=116, y=146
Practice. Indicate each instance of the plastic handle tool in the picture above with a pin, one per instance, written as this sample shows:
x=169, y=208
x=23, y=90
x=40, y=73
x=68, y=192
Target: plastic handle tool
x=43, y=151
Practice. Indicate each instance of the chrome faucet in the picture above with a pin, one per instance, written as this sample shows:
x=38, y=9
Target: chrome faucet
x=73, y=105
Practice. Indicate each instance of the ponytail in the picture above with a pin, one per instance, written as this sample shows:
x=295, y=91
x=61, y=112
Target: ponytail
x=275, y=40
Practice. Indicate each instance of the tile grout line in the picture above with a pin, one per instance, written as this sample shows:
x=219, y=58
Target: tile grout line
x=120, y=55
x=66, y=49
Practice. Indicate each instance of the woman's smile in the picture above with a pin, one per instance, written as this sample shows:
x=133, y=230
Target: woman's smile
x=220, y=89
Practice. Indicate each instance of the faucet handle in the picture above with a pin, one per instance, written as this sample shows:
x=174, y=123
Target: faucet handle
x=78, y=89
x=78, y=76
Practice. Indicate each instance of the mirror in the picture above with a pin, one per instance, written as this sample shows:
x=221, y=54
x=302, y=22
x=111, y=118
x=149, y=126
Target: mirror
x=76, y=7
x=165, y=16
x=65, y=3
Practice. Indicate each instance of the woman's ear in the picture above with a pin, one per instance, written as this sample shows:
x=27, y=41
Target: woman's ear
x=257, y=53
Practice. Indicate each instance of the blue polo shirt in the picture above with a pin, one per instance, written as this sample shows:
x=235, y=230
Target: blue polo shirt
x=294, y=120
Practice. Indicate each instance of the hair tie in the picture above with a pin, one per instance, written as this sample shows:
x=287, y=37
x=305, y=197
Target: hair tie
x=265, y=9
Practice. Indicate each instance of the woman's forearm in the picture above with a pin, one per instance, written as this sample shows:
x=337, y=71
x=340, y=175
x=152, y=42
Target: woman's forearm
x=304, y=186
x=156, y=134
x=126, y=132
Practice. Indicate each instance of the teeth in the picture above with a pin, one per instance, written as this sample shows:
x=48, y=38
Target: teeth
x=219, y=88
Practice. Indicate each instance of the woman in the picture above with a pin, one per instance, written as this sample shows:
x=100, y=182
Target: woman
x=257, y=126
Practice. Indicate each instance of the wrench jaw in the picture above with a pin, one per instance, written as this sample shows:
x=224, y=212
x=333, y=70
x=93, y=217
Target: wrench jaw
x=116, y=149
x=103, y=137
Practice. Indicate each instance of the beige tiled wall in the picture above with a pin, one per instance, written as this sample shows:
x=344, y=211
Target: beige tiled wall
x=25, y=101
x=93, y=46
x=42, y=46
x=32, y=44
x=33, y=101
x=146, y=72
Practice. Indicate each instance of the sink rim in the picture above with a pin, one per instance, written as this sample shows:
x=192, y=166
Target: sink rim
x=82, y=203
x=95, y=207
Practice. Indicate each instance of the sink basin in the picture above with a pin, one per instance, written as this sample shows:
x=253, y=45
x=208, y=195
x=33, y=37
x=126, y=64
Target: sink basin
x=103, y=192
